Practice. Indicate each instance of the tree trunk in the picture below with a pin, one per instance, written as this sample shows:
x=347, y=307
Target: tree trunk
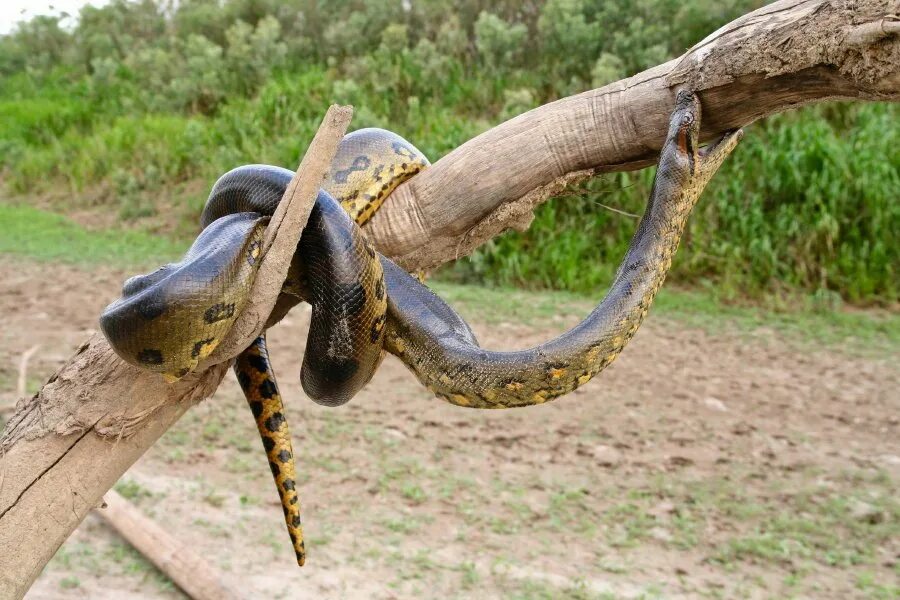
x=64, y=447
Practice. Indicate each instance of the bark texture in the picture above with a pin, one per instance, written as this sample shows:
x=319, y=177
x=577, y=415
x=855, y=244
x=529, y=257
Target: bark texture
x=64, y=447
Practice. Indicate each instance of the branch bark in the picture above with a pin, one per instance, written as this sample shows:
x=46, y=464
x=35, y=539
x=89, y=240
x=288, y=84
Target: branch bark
x=67, y=445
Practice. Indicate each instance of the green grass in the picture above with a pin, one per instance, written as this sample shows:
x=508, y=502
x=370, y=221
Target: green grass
x=137, y=127
x=45, y=236
x=132, y=490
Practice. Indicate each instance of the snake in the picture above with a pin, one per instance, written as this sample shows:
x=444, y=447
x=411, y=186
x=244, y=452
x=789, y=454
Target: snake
x=364, y=304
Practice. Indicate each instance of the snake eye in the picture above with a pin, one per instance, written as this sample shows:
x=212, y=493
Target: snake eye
x=687, y=119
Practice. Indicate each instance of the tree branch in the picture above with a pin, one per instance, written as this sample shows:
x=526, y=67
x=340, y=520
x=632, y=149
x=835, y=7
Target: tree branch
x=67, y=445
x=779, y=57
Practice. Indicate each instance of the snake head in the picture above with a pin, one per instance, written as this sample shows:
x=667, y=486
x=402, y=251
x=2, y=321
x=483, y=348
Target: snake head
x=169, y=320
x=686, y=157
x=684, y=134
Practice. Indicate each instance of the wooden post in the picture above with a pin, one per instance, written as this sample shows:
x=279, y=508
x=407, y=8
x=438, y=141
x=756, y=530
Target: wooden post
x=185, y=568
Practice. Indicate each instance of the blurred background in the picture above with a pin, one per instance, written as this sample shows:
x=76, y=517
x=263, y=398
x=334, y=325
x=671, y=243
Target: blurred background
x=746, y=444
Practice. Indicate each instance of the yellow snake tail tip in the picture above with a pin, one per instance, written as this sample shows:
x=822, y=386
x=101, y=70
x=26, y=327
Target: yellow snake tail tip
x=255, y=374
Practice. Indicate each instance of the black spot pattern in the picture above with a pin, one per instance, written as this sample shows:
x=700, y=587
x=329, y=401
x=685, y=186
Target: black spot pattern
x=198, y=346
x=360, y=163
x=219, y=312
x=268, y=444
x=258, y=362
x=377, y=328
x=268, y=389
x=402, y=150
x=253, y=254
x=276, y=470
x=257, y=407
x=284, y=456
x=244, y=380
x=275, y=422
x=288, y=484
x=151, y=309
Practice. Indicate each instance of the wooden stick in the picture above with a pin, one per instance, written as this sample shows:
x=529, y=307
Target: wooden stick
x=196, y=577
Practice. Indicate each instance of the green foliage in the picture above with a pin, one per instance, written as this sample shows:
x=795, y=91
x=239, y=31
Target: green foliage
x=143, y=98
x=807, y=202
x=499, y=43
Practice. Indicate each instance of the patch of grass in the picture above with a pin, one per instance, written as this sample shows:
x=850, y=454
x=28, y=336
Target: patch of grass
x=405, y=524
x=533, y=589
x=45, y=236
x=132, y=562
x=798, y=527
x=863, y=332
x=868, y=584
x=572, y=510
x=414, y=493
x=132, y=490
x=77, y=555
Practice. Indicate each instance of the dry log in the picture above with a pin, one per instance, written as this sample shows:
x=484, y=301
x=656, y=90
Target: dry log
x=180, y=564
x=68, y=444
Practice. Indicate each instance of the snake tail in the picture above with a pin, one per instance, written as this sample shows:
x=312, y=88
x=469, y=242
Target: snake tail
x=441, y=351
x=254, y=373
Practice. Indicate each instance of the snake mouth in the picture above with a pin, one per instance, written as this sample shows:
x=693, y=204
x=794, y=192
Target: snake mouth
x=724, y=139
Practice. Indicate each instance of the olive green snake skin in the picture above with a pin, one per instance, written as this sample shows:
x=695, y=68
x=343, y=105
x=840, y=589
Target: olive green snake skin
x=364, y=304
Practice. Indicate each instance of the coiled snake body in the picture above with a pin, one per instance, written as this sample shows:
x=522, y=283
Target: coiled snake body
x=364, y=304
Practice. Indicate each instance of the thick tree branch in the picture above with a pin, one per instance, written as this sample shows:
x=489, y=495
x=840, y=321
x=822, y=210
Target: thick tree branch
x=781, y=56
x=69, y=443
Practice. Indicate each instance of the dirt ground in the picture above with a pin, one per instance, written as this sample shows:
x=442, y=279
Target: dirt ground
x=726, y=465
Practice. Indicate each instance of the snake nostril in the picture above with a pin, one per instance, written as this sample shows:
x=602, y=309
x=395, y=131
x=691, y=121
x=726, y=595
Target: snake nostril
x=139, y=283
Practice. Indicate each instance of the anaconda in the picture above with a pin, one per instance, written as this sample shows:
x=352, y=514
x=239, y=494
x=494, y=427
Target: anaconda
x=364, y=304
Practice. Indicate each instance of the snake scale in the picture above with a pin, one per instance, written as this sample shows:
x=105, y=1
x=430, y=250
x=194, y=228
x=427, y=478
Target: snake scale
x=363, y=304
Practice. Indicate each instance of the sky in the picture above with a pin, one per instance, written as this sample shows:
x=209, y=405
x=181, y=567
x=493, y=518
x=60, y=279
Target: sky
x=13, y=11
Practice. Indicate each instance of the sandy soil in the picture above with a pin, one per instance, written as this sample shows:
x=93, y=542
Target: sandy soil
x=699, y=465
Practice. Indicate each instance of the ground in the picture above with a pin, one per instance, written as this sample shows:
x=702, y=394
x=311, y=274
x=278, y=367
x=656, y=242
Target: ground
x=715, y=458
